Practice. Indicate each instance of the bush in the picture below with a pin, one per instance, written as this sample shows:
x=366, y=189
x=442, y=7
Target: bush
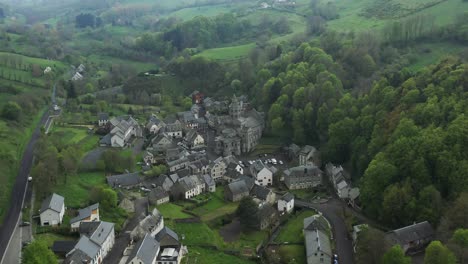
x=11, y=111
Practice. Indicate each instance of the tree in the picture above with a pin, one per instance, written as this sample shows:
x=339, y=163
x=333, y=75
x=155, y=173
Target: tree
x=371, y=246
x=11, y=111
x=277, y=124
x=38, y=253
x=395, y=256
x=105, y=196
x=437, y=253
x=459, y=245
x=247, y=212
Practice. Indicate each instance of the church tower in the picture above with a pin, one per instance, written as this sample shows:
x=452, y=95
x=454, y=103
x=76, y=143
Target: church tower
x=235, y=108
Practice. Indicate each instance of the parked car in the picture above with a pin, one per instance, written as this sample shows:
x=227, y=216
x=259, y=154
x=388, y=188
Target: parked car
x=281, y=162
x=24, y=223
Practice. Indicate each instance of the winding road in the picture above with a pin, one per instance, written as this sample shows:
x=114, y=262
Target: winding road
x=330, y=211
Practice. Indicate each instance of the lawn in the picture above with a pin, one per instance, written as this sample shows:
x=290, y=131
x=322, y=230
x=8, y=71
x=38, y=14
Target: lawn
x=265, y=149
x=430, y=53
x=76, y=189
x=196, y=234
x=216, y=201
x=43, y=63
x=224, y=210
x=172, y=211
x=228, y=53
x=289, y=253
x=207, y=256
x=49, y=238
x=103, y=61
x=292, y=231
x=70, y=135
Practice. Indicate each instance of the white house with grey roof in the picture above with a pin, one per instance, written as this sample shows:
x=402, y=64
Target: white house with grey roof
x=97, y=239
x=145, y=251
x=262, y=173
x=52, y=210
x=154, y=124
x=286, y=203
x=88, y=214
x=317, y=242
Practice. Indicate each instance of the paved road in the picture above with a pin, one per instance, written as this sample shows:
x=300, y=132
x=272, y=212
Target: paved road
x=331, y=211
x=18, y=191
x=123, y=239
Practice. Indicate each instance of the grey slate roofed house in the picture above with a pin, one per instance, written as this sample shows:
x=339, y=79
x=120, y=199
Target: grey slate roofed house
x=145, y=251
x=54, y=202
x=413, y=238
x=90, y=213
x=97, y=239
x=128, y=180
x=158, y=196
x=302, y=177
x=151, y=224
x=103, y=119
x=263, y=194
x=52, y=210
x=61, y=248
x=210, y=184
x=164, y=182
x=286, y=203
x=237, y=190
x=266, y=217
x=167, y=237
x=317, y=242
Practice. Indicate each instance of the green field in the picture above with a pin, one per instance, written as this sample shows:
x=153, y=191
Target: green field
x=172, y=211
x=207, y=256
x=350, y=18
x=196, y=234
x=77, y=187
x=292, y=231
x=430, y=53
x=228, y=53
x=296, y=253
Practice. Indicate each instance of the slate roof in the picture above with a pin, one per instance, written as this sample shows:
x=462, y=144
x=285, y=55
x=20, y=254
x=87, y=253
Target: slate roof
x=260, y=192
x=63, y=246
x=84, y=213
x=287, y=197
x=77, y=256
x=88, y=247
x=316, y=222
x=123, y=180
x=166, y=231
x=97, y=232
x=238, y=187
x=265, y=212
x=208, y=180
x=158, y=193
x=106, y=140
x=103, y=116
x=413, y=232
x=146, y=250
x=54, y=202
x=303, y=171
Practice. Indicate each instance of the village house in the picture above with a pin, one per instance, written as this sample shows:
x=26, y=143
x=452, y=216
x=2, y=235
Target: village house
x=154, y=124
x=218, y=168
x=262, y=173
x=127, y=180
x=266, y=217
x=188, y=119
x=97, y=239
x=161, y=143
x=262, y=195
x=88, y=214
x=193, y=140
x=178, y=164
x=122, y=130
x=343, y=189
x=199, y=167
x=152, y=224
x=187, y=187
x=103, y=119
x=158, y=196
x=413, y=238
x=307, y=155
x=302, y=177
x=173, y=127
x=236, y=190
x=52, y=210
x=145, y=251
x=317, y=242
x=286, y=203
x=210, y=184
x=165, y=182
x=171, y=250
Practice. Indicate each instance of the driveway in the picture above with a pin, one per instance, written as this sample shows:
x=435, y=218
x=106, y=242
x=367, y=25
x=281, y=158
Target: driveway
x=330, y=210
x=123, y=239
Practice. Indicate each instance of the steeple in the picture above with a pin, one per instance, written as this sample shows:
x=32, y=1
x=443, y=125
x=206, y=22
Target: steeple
x=235, y=108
